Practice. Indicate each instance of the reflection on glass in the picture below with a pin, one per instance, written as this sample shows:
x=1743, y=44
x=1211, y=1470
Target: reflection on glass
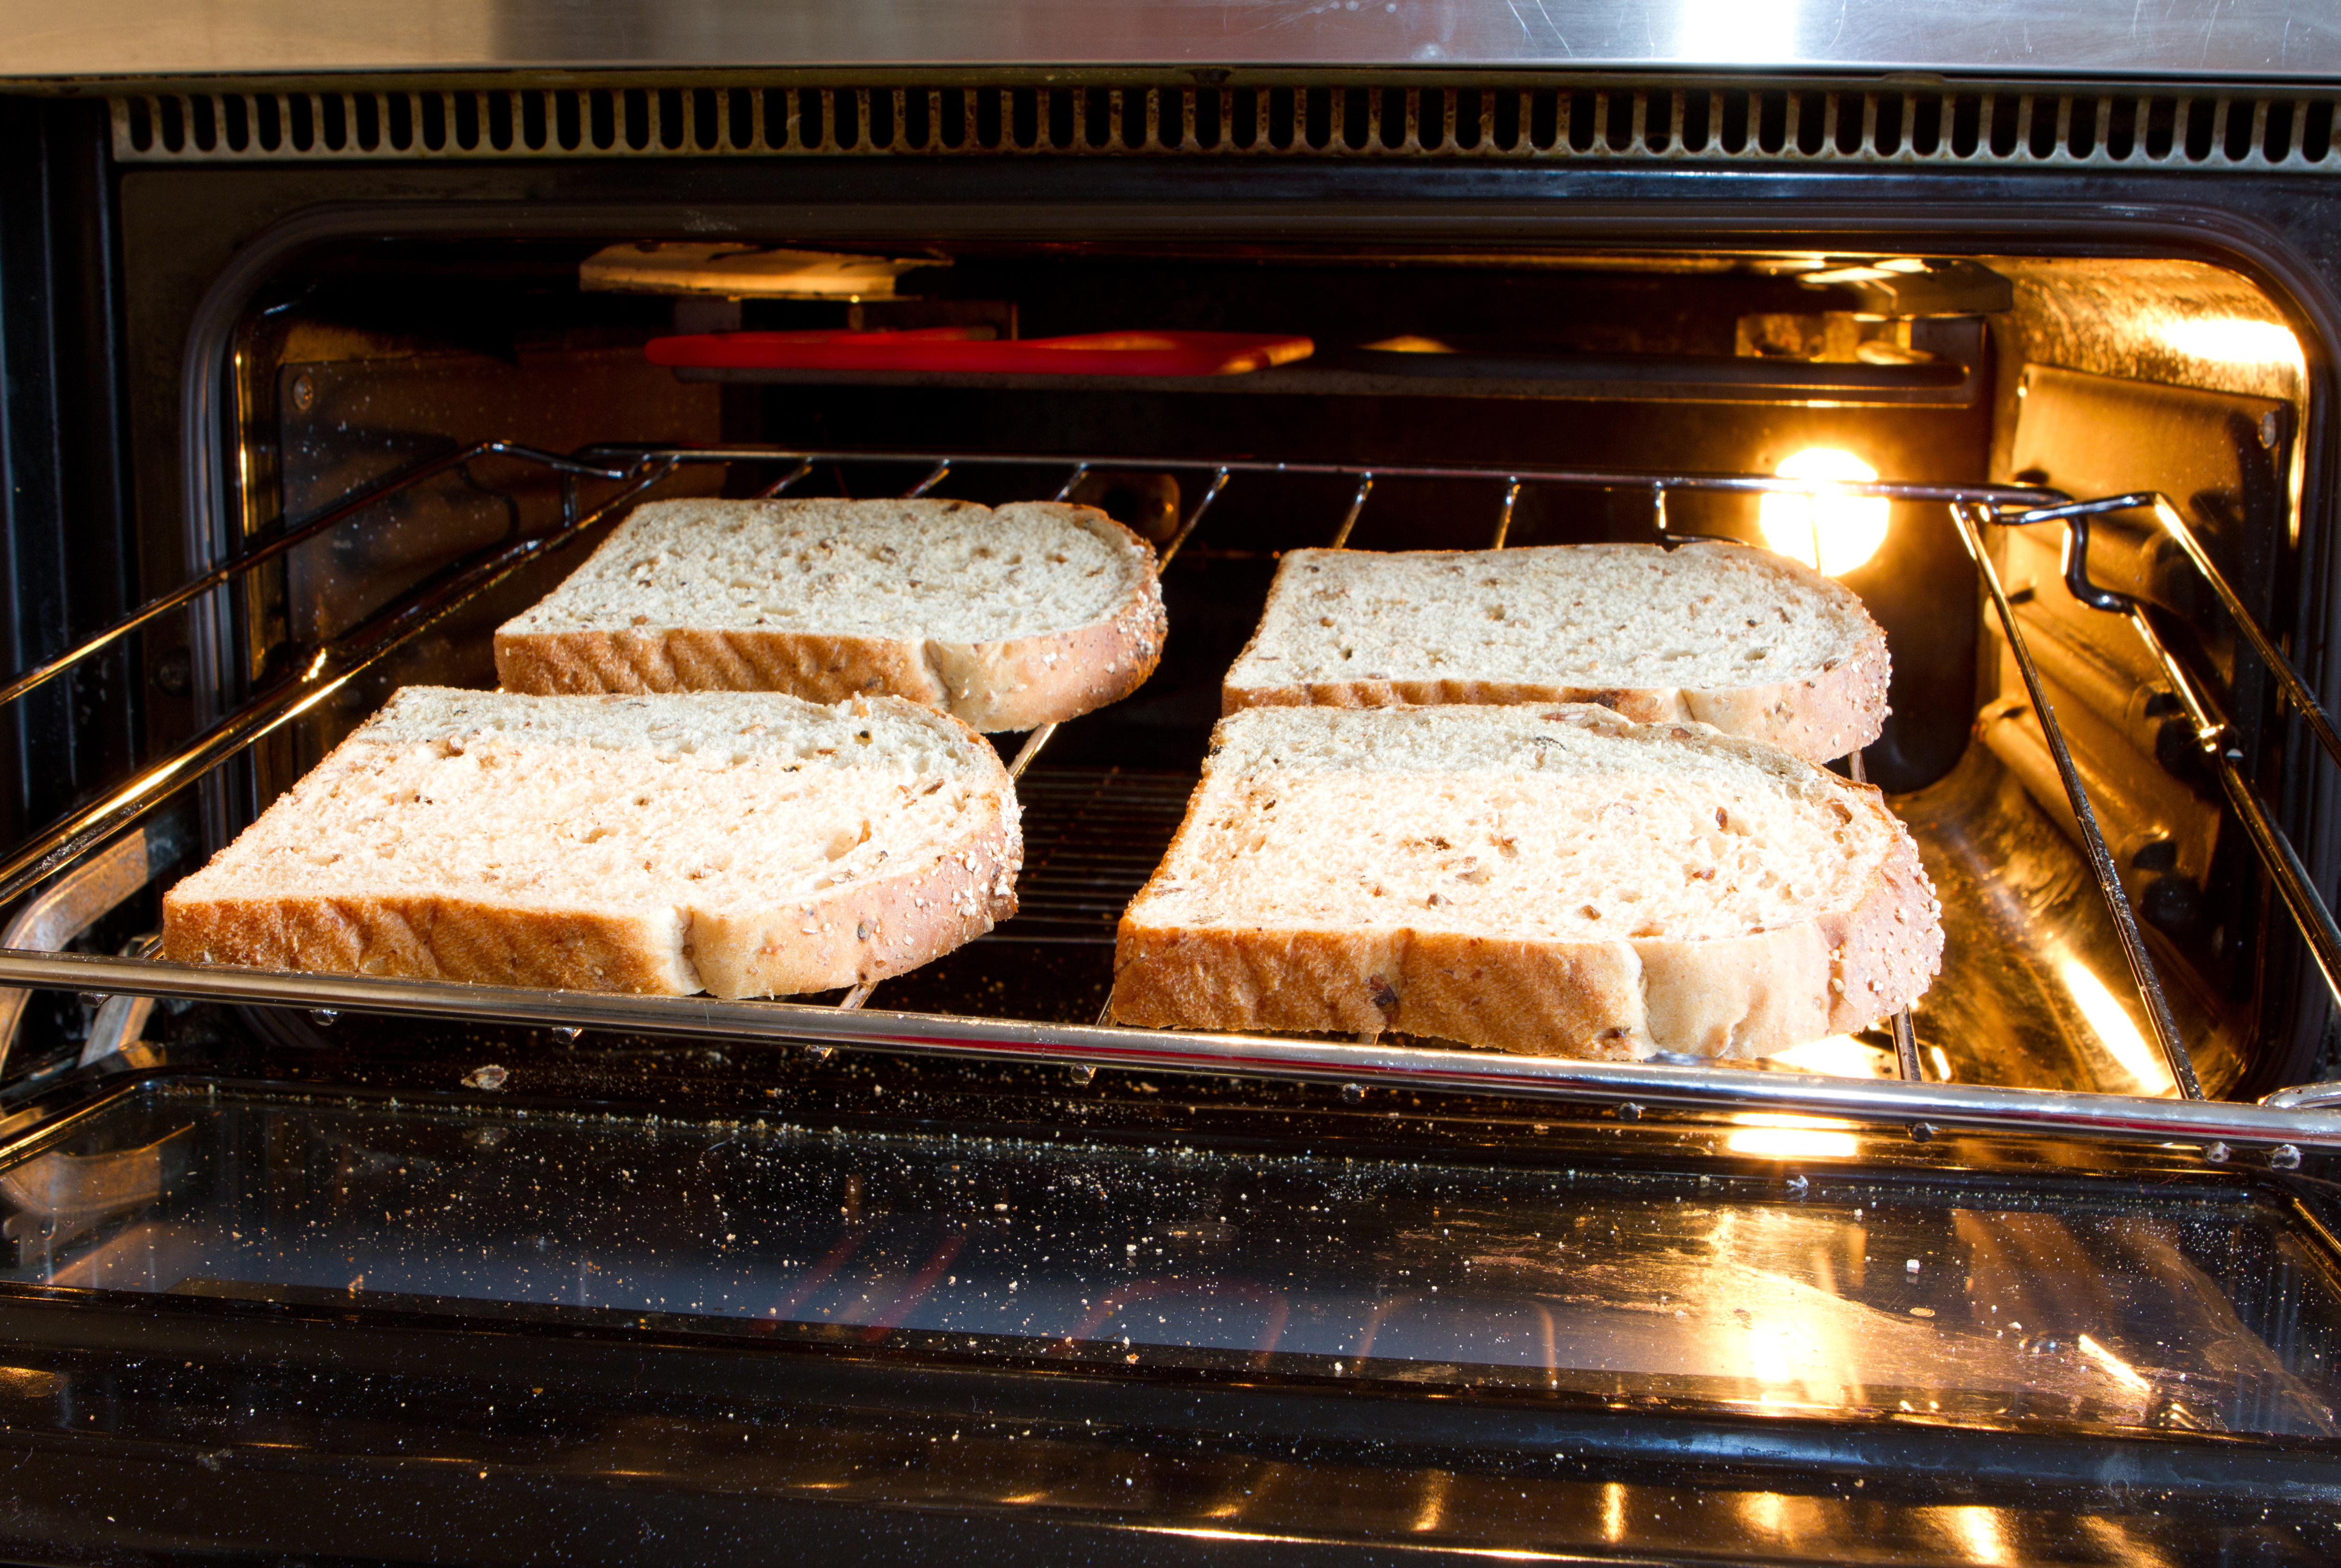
x=2112, y=1363
x=1999, y=1297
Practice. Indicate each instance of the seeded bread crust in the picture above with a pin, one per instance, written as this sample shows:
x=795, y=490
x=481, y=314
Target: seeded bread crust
x=1625, y=1000
x=868, y=932
x=1011, y=683
x=864, y=930
x=1821, y=718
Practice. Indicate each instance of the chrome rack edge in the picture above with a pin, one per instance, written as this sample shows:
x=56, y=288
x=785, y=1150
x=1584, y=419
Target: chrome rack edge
x=1711, y=1088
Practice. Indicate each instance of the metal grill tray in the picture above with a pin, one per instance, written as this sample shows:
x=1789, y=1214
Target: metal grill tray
x=1075, y=884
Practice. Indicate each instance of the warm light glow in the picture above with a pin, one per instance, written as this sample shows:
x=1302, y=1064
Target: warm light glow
x=1408, y=343
x=2231, y=340
x=1942, y=1063
x=1838, y=1056
x=2123, y=1372
x=1790, y=1137
x=1833, y=533
x=1977, y=1532
x=1613, y=1513
x=2114, y=1029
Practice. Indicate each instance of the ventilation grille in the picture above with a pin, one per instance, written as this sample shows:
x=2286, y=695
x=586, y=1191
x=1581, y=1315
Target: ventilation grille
x=1549, y=121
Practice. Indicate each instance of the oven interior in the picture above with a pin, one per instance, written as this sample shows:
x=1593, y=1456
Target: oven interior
x=1222, y=1232
x=2090, y=377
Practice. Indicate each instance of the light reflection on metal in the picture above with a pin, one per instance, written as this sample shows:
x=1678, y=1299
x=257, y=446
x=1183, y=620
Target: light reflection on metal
x=1738, y=32
x=1977, y=1532
x=1504, y=513
x=1836, y=1055
x=2231, y=340
x=1613, y=1512
x=1792, y=1137
x=2114, y=1028
x=1942, y=1063
x=1433, y=1512
x=1831, y=534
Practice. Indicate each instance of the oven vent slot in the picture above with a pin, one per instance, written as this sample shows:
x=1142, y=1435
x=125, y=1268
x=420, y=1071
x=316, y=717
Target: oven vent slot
x=1548, y=120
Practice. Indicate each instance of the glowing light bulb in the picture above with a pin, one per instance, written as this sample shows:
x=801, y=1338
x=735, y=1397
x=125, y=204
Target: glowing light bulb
x=1832, y=533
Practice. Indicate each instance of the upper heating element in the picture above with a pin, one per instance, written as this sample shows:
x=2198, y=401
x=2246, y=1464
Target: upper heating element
x=1551, y=118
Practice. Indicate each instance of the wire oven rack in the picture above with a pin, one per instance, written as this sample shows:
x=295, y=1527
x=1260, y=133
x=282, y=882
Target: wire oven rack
x=101, y=853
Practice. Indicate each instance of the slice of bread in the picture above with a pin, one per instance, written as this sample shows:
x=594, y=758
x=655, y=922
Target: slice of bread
x=1007, y=619
x=1749, y=641
x=749, y=844
x=1552, y=881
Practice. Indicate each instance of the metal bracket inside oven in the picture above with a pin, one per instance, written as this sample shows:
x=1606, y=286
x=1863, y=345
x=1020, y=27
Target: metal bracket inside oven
x=2213, y=734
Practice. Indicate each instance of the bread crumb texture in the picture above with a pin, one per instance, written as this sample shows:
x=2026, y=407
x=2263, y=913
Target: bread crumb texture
x=1745, y=639
x=744, y=844
x=1006, y=618
x=1556, y=880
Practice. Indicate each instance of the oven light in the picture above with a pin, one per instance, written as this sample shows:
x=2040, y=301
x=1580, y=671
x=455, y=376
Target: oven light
x=2114, y=1029
x=1834, y=534
x=2231, y=340
x=1790, y=1137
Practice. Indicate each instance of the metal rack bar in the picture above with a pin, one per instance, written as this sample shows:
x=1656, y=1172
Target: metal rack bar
x=332, y=667
x=2276, y=852
x=785, y=481
x=1194, y=518
x=2093, y=839
x=2013, y=496
x=2075, y=516
x=292, y=538
x=1341, y=540
x=2212, y=730
x=1504, y=515
x=1615, y=1085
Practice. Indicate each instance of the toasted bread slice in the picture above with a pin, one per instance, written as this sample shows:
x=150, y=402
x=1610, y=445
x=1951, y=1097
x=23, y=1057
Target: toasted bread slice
x=749, y=844
x=1006, y=619
x=1749, y=641
x=1552, y=881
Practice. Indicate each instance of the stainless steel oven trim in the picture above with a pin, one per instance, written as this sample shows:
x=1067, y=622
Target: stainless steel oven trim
x=1628, y=1088
x=122, y=39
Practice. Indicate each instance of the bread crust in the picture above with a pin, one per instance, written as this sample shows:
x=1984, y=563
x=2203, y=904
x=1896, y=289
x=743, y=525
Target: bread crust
x=1820, y=719
x=1729, y=998
x=1010, y=684
x=858, y=930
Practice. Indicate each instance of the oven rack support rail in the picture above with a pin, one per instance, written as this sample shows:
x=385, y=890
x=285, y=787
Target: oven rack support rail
x=104, y=854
